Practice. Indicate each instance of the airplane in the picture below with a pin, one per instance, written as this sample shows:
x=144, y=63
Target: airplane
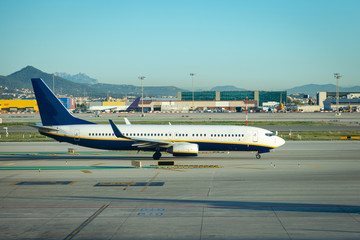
x=126, y=108
x=180, y=140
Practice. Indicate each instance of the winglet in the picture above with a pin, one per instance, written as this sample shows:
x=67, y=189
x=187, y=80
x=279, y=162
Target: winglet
x=116, y=130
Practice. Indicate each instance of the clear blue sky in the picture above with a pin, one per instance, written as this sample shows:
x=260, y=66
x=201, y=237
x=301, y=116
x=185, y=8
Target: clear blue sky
x=254, y=44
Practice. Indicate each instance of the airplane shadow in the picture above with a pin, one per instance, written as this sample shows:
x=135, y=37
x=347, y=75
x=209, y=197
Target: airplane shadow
x=257, y=206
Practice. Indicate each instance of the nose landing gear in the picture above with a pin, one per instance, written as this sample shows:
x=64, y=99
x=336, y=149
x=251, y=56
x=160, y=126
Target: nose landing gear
x=258, y=156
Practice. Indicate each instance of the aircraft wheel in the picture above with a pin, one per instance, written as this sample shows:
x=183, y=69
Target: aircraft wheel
x=258, y=156
x=157, y=155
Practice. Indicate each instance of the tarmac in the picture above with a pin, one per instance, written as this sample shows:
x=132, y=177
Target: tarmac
x=302, y=190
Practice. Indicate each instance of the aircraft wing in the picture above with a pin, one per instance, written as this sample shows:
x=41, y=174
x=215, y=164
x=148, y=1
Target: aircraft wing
x=141, y=142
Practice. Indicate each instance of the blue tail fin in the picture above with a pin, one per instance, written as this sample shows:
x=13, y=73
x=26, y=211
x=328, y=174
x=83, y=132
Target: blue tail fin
x=134, y=105
x=52, y=111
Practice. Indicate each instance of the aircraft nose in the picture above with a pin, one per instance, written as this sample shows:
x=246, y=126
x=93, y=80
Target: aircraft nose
x=279, y=141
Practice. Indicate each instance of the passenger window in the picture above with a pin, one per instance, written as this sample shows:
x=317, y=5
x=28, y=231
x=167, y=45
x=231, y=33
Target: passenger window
x=165, y=134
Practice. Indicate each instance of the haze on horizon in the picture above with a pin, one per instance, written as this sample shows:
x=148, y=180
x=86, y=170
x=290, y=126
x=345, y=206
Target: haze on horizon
x=252, y=44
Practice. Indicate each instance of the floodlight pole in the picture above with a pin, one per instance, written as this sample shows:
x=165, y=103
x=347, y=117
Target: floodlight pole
x=337, y=77
x=142, y=95
x=193, y=94
x=246, y=109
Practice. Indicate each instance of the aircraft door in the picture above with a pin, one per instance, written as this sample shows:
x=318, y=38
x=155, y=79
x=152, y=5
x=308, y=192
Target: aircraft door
x=255, y=136
x=77, y=135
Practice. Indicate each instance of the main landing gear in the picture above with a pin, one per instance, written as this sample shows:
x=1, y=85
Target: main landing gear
x=258, y=156
x=157, y=155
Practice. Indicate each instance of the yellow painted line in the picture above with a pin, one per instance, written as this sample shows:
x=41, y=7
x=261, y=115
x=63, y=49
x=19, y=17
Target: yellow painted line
x=16, y=183
x=77, y=230
x=149, y=182
x=97, y=164
x=9, y=164
x=86, y=171
x=72, y=182
x=128, y=185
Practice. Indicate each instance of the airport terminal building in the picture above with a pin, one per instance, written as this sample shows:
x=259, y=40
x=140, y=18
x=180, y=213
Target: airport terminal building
x=216, y=101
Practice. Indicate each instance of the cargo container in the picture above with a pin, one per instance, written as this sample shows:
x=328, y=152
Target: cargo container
x=19, y=105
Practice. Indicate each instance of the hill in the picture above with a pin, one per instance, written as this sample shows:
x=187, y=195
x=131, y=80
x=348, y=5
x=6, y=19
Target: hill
x=311, y=89
x=227, y=88
x=62, y=86
x=21, y=79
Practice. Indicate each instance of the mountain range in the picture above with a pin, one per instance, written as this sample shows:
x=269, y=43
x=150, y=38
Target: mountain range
x=77, y=78
x=83, y=85
x=21, y=80
x=311, y=89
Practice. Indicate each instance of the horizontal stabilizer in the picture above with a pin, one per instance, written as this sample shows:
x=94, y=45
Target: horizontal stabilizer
x=45, y=128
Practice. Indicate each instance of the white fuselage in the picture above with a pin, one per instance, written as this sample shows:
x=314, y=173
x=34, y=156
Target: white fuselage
x=208, y=137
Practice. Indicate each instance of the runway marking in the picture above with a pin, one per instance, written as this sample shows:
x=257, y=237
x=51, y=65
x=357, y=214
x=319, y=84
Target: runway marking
x=44, y=183
x=127, y=185
x=97, y=164
x=15, y=183
x=77, y=230
x=151, y=180
x=86, y=171
x=9, y=164
x=64, y=167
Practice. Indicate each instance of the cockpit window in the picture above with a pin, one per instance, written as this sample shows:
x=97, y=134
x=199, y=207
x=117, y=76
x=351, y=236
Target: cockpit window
x=270, y=134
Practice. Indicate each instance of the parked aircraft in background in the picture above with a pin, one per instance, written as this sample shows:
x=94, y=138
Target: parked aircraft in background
x=125, y=108
x=180, y=140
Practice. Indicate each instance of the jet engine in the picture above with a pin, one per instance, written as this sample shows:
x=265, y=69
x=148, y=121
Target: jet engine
x=184, y=149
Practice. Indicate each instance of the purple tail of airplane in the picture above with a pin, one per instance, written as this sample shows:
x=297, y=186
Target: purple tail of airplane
x=134, y=105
